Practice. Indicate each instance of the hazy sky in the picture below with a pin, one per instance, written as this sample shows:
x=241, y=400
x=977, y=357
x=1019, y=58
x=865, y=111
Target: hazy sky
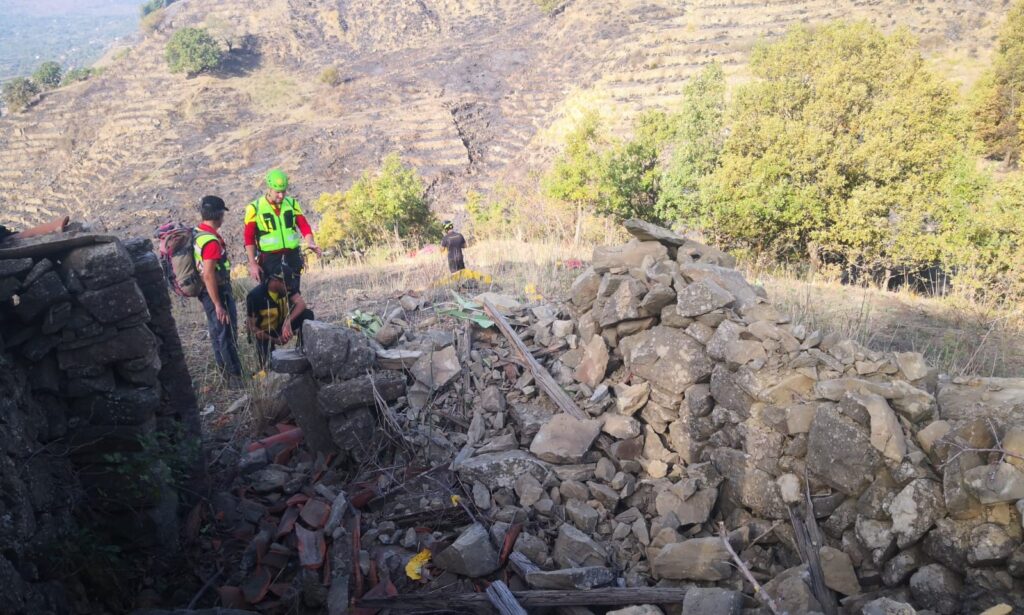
x=58, y=7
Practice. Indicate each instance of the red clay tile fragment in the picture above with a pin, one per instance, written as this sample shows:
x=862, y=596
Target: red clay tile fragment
x=287, y=521
x=256, y=585
x=315, y=513
x=312, y=547
x=231, y=597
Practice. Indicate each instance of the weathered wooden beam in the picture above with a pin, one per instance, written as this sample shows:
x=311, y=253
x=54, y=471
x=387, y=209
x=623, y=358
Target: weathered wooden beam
x=612, y=596
x=541, y=375
x=502, y=599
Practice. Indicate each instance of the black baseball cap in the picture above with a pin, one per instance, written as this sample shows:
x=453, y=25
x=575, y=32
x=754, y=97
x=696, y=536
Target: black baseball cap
x=212, y=206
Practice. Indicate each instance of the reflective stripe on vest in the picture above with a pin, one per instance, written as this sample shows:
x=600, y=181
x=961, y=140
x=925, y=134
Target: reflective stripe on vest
x=277, y=231
x=223, y=264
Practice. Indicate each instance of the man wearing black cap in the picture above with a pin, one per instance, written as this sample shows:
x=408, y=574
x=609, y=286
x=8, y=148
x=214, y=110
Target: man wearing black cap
x=275, y=313
x=211, y=256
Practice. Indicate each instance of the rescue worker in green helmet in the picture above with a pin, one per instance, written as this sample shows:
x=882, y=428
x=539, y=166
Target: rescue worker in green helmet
x=274, y=230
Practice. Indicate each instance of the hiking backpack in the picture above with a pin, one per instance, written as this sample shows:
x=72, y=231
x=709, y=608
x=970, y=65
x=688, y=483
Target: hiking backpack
x=176, y=245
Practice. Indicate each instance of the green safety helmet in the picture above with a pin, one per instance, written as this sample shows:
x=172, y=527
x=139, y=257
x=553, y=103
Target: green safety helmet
x=277, y=180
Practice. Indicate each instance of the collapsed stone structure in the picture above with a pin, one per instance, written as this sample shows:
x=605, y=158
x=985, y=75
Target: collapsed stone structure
x=708, y=410
x=92, y=382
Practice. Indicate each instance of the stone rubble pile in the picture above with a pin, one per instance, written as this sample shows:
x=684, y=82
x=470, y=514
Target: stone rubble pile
x=707, y=408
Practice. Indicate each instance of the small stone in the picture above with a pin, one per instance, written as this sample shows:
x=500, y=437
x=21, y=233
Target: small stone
x=471, y=555
x=839, y=573
x=936, y=587
x=931, y=433
x=605, y=470
x=582, y=515
x=912, y=364
x=492, y=399
x=481, y=495
x=915, y=510
x=702, y=297
x=789, y=488
x=992, y=485
x=565, y=439
x=620, y=426
x=698, y=559
x=631, y=398
x=529, y=490
x=712, y=601
x=887, y=606
x=574, y=549
x=592, y=368
x=990, y=544
x=288, y=361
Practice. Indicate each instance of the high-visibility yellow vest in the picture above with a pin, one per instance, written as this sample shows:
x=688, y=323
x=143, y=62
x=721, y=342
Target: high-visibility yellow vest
x=277, y=231
x=202, y=238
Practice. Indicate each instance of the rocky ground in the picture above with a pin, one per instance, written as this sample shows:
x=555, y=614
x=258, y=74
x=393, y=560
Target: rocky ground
x=675, y=445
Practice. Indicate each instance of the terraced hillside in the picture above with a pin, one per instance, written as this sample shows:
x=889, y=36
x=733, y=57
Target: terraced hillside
x=464, y=89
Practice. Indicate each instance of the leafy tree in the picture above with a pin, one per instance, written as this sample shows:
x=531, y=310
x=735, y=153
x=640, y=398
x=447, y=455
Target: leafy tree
x=695, y=148
x=18, y=93
x=999, y=94
x=844, y=145
x=77, y=74
x=192, y=51
x=152, y=6
x=380, y=207
x=576, y=175
x=48, y=75
x=630, y=173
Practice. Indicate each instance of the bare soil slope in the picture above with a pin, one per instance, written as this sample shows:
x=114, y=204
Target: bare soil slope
x=464, y=89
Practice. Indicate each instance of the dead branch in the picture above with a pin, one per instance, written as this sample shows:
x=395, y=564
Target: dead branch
x=758, y=590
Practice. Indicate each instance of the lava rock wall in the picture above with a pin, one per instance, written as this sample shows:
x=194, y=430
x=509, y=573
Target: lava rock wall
x=97, y=413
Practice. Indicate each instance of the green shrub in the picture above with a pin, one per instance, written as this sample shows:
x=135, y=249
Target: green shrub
x=192, y=51
x=845, y=145
x=695, y=147
x=331, y=76
x=48, y=75
x=549, y=6
x=576, y=175
x=77, y=74
x=998, y=103
x=18, y=93
x=388, y=206
x=151, y=6
x=151, y=21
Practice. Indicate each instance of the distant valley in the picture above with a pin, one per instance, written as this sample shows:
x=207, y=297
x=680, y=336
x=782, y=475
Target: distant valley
x=73, y=32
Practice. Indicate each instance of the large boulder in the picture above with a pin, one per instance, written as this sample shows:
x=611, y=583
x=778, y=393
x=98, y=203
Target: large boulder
x=667, y=358
x=336, y=352
x=973, y=398
x=359, y=392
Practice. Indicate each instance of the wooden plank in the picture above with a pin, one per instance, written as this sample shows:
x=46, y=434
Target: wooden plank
x=534, y=599
x=540, y=375
x=502, y=599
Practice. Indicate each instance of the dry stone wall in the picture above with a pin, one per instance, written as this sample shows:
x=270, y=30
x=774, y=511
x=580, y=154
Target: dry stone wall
x=98, y=410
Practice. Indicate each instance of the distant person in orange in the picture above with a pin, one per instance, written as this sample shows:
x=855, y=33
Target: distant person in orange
x=454, y=243
x=274, y=229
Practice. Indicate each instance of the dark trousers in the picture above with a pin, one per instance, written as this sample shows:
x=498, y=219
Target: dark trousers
x=456, y=263
x=271, y=262
x=264, y=347
x=224, y=338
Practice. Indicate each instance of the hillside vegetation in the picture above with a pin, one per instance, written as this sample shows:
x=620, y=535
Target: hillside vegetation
x=474, y=95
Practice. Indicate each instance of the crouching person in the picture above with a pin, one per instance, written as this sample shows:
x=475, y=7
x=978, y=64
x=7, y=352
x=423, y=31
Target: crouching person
x=275, y=314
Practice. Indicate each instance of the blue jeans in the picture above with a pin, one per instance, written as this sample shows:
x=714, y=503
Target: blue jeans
x=223, y=337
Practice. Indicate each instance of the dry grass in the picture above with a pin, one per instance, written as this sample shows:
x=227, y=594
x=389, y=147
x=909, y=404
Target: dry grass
x=957, y=336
